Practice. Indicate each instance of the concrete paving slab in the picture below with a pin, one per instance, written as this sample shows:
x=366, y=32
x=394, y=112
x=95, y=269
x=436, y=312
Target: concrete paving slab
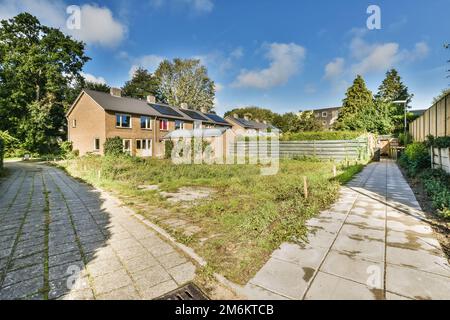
x=417, y=284
x=330, y=287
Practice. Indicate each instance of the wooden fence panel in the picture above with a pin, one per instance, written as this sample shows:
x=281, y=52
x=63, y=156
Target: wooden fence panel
x=434, y=121
x=324, y=150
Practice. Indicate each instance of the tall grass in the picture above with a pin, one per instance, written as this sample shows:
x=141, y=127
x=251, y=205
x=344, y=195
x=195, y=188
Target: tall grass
x=247, y=217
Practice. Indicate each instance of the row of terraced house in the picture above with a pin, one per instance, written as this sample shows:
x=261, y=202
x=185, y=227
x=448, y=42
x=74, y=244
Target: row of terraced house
x=143, y=125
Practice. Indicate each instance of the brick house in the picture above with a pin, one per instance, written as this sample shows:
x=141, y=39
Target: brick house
x=142, y=124
x=327, y=116
x=248, y=125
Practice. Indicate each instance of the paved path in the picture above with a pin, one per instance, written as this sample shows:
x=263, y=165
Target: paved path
x=372, y=244
x=60, y=239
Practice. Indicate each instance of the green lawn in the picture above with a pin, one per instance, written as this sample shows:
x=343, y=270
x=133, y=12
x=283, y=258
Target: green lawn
x=247, y=217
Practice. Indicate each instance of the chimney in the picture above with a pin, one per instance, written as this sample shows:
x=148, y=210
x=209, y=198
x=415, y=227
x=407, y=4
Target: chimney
x=204, y=110
x=235, y=115
x=247, y=116
x=183, y=105
x=151, y=99
x=115, y=92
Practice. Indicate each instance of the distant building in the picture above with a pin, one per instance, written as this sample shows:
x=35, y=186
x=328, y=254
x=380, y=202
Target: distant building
x=327, y=116
x=248, y=125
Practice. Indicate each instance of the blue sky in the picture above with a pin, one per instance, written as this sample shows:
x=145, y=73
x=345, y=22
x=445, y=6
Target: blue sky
x=282, y=55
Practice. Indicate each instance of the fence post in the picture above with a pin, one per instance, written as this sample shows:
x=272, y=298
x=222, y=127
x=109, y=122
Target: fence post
x=305, y=187
x=334, y=171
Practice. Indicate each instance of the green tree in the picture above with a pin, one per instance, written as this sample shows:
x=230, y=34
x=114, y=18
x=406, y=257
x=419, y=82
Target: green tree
x=307, y=121
x=185, y=81
x=141, y=85
x=391, y=89
x=357, y=107
x=97, y=86
x=255, y=112
x=38, y=64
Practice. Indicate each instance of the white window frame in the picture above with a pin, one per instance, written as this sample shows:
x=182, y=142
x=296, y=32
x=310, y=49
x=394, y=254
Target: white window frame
x=324, y=114
x=182, y=124
x=95, y=144
x=121, y=121
x=131, y=145
x=162, y=121
x=148, y=123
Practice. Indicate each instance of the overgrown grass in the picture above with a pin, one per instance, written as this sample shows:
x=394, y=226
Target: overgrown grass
x=247, y=217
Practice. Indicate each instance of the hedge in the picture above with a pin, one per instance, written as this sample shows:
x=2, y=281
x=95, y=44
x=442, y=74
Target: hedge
x=321, y=135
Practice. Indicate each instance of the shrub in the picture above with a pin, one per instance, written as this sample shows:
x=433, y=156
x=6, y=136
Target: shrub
x=405, y=139
x=439, y=142
x=113, y=146
x=437, y=186
x=415, y=158
x=168, y=144
x=66, y=149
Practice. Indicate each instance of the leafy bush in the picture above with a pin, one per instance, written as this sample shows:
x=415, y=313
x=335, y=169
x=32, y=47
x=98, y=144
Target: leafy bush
x=321, y=135
x=439, y=142
x=113, y=146
x=405, y=139
x=66, y=150
x=437, y=186
x=168, y=149
x=415, y=158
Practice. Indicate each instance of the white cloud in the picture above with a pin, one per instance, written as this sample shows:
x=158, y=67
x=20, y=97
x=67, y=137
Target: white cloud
x=381, y=58
x=98, y=26
x=376, y=57
x=220, y=61
x=149, y=62
x=198, y=6
x=286, y=60
x=91, y=78
x=334, y=69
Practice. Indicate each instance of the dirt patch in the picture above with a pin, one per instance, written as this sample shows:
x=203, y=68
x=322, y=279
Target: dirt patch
x=188, y=194
x=440, y=226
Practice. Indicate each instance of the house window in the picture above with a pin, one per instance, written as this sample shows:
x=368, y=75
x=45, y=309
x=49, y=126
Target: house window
x=324, y=114
x=146, y=123
x=197, y=125
x=179, y=125
x=97, y=144
x=123, y=120
x=143, y=144
x=74, y=123
x=126, y=145
x=164, y=124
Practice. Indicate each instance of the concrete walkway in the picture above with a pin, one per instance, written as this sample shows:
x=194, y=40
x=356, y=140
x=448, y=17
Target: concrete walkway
x=372, y=244
x=60, y=239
